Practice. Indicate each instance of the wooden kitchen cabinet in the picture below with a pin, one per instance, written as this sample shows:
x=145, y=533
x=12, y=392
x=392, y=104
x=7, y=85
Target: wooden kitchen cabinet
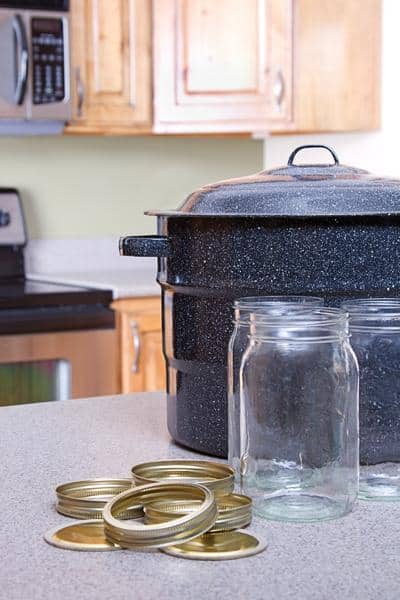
x=222, y=66
x=142, y=365
x=111, y=66
x=92, y=355
x=337, y=65
x=226, y=66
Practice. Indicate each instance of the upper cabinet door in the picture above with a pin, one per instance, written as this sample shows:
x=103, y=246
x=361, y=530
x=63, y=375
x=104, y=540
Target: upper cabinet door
x=111, y=58
x=337, y=53
x=222, y=66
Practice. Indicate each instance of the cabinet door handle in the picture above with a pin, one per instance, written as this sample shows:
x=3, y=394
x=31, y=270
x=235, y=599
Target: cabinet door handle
x=278, y=89
x=80, y=91
x=136, y=346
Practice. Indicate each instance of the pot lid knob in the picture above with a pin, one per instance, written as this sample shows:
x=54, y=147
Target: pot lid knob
x=299, y=148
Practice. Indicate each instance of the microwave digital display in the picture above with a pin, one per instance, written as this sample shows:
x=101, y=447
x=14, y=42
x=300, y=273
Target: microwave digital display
x=41, y=26
x=58, y=5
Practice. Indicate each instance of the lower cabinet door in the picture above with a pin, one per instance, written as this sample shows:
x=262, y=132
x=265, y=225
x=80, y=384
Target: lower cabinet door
x=42, y=367
x=142, y=361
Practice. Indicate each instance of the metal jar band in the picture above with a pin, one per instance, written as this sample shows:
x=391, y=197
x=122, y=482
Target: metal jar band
x=184, y=528
x=217, y=477
x=86, y=499
x=234, y=512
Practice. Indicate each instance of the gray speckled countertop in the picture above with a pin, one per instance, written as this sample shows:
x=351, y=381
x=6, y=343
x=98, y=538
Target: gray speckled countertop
x=355, y=558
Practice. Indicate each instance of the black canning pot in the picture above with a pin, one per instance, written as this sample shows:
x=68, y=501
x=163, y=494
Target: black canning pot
x=325, y=230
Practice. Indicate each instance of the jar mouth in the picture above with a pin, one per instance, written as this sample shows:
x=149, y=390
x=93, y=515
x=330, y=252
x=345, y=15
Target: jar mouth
x=373, y=313
x=313, y=317
x=259, y=302
x=316, y=324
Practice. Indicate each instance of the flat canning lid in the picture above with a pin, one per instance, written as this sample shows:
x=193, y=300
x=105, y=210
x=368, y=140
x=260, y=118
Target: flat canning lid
x=218, y=477
x=295, y=190
x=85, y=536
x=219, y=546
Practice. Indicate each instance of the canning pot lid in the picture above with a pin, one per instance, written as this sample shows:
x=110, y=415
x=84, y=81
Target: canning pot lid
x=295, y=190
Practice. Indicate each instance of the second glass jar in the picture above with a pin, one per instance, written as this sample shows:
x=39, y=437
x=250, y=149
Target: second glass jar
x=375, y=338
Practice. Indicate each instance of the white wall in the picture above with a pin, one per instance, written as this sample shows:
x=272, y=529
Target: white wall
x=101, y=186
x=378, y=152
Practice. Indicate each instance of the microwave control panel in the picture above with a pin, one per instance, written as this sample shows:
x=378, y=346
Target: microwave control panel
x=48, y=65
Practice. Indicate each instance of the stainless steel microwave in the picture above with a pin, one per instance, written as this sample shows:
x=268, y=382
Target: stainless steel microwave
x=35, y=93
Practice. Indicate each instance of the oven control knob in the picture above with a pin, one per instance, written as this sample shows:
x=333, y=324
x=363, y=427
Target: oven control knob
x=5, y=218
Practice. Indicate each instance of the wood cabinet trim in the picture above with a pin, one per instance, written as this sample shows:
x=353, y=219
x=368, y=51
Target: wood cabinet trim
x=138, y=304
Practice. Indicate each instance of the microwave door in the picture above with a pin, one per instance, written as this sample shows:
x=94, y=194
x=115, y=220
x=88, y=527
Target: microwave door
x=14, y=57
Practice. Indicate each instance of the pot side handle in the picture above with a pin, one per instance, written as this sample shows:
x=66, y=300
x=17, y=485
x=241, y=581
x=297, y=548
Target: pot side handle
x=144, y=245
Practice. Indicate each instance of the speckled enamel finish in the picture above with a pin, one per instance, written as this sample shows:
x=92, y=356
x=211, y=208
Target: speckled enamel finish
x=327, y=231
x=213, y=261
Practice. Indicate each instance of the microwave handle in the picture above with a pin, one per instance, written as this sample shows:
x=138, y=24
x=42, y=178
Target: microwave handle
x=22, y=53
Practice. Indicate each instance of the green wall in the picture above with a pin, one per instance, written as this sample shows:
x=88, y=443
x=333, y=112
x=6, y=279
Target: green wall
x=94, y=187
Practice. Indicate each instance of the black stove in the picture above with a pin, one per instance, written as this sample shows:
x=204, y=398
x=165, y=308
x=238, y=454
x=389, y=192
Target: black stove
x=28, y=306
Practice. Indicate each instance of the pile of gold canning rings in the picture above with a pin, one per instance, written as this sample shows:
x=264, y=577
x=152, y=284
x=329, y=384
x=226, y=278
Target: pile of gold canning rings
x=185, y=508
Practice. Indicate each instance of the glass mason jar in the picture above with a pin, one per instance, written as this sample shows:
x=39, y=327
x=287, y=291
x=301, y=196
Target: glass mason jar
x=243, y=308
x=299, y=416
x=375, y=337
